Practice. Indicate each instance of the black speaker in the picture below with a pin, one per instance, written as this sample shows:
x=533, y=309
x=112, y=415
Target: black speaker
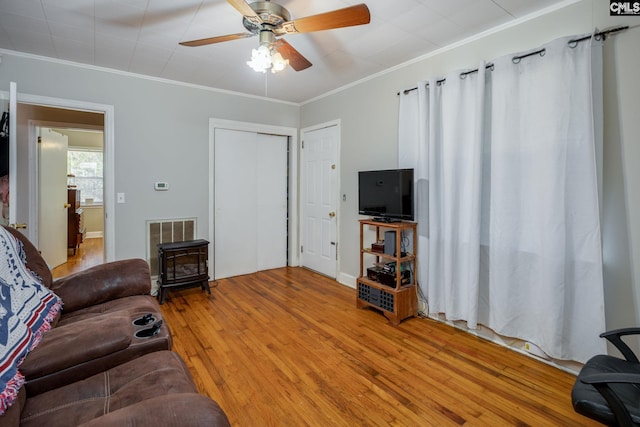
x=390, y=242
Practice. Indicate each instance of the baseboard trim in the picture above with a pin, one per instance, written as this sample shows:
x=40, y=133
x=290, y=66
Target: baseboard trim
x=93, y=234
x=347, y=280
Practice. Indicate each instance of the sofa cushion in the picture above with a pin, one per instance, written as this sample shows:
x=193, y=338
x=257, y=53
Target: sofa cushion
x=27, y=309
x=102, y=283
x=70, y=345
x=133, y=305
x=85, y=359
x=174, y=410
x=11, y=418
x=156, y=374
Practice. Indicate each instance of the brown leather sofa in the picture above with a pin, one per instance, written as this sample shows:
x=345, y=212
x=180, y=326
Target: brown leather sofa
x=153, y=390
x=96, y=329
x=106, y=361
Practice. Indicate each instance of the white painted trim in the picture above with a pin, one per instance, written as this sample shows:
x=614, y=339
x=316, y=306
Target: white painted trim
x=13, y=155
x=303, y=131
x=139, y=76
x=447, y=48
x=93, y=234
x=347, y=280
x=109, y=156
x=290, y=132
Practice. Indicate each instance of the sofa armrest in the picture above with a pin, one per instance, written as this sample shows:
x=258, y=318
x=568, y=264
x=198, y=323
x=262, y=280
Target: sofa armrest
x=70, y=345
x=102, y=283
x=179, y=409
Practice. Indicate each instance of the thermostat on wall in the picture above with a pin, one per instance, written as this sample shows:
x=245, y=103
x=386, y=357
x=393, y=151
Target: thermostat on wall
x=161, y=186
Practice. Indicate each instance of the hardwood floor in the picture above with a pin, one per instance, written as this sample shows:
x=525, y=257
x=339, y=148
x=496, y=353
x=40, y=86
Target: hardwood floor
x=288, y=347
x=90, y=252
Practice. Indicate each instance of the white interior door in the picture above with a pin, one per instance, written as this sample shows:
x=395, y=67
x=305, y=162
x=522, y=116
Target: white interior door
x=250, y=202
x=319, y=173
x=52, y=191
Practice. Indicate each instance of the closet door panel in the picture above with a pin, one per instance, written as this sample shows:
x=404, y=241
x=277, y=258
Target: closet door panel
x=235, y=203
x=271, y=201
x=250, y=202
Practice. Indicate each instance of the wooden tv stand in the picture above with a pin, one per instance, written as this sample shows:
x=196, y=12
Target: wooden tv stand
x=397, y=299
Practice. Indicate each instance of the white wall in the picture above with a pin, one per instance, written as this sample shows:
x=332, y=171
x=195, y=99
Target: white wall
x=161, y=134
x=368, y=113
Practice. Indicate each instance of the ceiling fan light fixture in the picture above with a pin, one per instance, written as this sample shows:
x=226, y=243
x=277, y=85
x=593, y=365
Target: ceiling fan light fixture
x=278, y=63
x=264, y=58
x=269, y=20
x=260, y=59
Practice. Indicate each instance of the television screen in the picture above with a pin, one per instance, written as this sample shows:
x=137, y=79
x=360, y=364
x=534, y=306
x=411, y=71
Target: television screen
x=386, y=194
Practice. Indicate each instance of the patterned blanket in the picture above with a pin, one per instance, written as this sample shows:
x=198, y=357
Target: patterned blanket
x=27, y=309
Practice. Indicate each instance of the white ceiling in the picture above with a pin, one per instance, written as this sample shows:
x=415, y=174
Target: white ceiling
x=141, y=36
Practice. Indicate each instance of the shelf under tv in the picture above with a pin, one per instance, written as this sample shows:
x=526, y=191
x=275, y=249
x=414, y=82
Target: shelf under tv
x=386, y=220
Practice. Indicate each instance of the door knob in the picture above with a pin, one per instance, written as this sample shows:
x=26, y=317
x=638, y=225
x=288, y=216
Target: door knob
x=67, y=205
x=332, y=214
x=18, y=226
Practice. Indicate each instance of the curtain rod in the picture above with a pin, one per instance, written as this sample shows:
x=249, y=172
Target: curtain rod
x=439, y=82
x=516, y=59
x=572, y=43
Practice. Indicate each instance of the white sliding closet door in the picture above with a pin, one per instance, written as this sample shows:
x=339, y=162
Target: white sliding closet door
x=272, y=201
x=250, y=202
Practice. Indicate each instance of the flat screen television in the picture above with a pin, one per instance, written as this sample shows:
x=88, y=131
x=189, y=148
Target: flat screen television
x=387, y=195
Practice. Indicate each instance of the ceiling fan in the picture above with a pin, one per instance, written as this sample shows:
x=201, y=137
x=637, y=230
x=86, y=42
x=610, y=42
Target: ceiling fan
x=269, y=20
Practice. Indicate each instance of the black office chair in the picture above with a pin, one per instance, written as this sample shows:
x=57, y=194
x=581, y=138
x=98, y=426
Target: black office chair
x=607, y=388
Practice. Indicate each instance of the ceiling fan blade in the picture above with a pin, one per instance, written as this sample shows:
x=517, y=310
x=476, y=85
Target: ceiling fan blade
x=218, y=39
x=246, y=10
x=347, y=17
x=296, y=60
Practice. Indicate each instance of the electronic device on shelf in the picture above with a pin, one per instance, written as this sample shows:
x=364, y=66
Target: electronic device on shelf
x=386, y=195
x=378, y=247
x=387, y=277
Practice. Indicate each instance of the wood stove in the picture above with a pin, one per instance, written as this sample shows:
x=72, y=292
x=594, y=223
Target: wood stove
x=182, y=265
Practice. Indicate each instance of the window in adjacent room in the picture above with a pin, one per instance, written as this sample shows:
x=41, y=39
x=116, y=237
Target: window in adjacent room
x=85, y=168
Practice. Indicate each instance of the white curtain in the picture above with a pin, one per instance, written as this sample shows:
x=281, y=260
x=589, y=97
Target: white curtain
x=545, y=262
x=455, y=174
x=413, y=153
x=514, y=237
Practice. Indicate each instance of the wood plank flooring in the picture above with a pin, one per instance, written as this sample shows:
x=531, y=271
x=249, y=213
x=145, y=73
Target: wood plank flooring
x=90, y=252
x=288, y=347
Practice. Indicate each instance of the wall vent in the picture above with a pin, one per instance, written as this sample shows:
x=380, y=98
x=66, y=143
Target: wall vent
x=166, y=231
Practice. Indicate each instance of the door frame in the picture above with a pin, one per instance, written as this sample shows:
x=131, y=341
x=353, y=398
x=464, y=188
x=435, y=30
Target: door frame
x=292, y=134
x=108, y=163
x=303, y=131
